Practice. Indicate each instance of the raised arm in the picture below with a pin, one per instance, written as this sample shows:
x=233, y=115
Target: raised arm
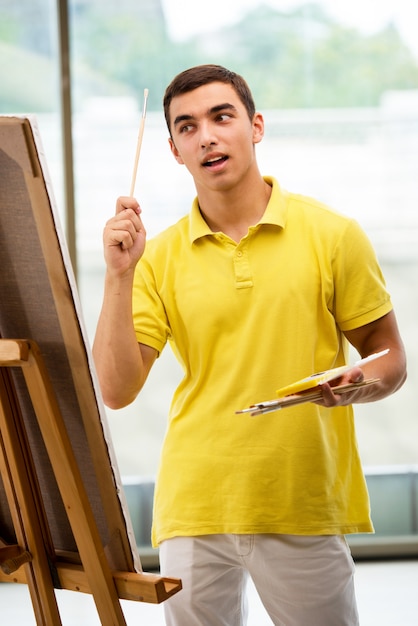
x=122, y=364
x=390, y=369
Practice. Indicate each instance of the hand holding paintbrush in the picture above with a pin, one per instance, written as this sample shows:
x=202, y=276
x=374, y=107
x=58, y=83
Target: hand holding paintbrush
x=124, y=234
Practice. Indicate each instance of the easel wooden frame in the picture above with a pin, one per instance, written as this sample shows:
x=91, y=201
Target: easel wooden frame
x=31, y=528
x=49, y=397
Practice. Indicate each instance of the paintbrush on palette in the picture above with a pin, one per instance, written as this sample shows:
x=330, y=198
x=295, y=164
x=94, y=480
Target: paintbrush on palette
x=309, y=389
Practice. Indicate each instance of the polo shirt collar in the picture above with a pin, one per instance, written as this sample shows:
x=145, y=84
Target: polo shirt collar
x=275, y=212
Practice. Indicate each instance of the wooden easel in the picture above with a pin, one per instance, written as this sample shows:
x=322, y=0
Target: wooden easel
x=34, y=551
x=64, y=521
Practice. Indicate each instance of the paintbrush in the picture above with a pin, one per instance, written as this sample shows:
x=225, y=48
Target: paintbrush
x=139, y=142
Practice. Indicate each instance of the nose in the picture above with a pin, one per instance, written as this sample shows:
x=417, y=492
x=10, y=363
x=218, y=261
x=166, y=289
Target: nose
x=207, y=135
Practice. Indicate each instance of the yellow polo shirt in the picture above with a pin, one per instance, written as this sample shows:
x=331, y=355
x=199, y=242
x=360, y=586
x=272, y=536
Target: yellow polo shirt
x=245, y=319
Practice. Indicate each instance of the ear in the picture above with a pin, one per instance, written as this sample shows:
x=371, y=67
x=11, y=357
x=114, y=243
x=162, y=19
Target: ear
x=175, y=152
x=258, y=128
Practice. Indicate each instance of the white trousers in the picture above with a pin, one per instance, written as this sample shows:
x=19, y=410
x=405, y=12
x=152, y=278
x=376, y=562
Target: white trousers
x=301, y=580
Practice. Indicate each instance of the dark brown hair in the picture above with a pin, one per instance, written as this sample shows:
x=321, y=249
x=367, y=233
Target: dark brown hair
x=200, y=75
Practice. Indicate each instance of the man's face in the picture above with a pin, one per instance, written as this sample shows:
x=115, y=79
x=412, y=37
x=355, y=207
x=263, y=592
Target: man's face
x=212, y=135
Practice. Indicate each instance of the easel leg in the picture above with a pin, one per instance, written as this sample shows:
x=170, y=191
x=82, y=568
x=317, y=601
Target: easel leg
x=26, y=355
x=72, y=490
x=14, y=467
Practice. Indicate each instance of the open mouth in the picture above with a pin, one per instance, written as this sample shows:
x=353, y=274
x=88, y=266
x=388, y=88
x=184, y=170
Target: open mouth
x=215, y=161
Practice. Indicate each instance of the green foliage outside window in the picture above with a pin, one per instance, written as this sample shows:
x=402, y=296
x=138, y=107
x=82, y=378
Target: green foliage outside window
x=298, y=59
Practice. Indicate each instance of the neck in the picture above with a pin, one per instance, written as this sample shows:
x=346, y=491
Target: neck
x=234, y=211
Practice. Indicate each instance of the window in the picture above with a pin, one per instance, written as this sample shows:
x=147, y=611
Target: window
x=29, y=74
x=340, y=104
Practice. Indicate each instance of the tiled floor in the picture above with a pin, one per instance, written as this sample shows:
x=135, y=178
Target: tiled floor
x=387, y=594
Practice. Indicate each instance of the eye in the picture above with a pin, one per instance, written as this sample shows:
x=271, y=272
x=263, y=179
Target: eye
x=223, y=117
x=186, y=128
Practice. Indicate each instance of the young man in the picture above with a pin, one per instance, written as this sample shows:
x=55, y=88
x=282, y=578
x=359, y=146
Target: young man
x=254, y=289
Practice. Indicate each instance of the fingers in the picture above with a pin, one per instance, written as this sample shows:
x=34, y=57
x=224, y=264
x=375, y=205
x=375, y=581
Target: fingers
x=124, y=228
x=356, y=375
x=127, y=202
x=124, y=237
x=329, y=398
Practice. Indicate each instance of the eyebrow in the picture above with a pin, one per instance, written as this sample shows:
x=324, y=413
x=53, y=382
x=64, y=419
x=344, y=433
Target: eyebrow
x=226, y=106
